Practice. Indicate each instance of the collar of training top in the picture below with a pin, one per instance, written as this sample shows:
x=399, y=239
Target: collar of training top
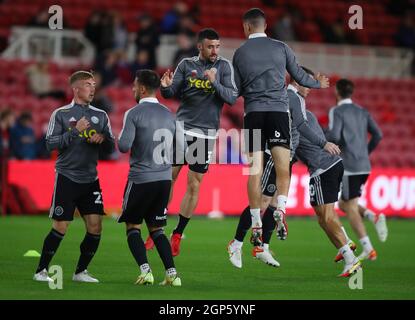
x=73, y=103
x=257, y=35
x=149, y=99
x=344, y=101
x=206, y=62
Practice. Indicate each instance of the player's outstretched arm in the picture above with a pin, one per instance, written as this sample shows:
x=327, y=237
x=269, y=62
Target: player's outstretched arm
x=375, y=132
x=324, y=81
x=171, y=83
x=57, y=137
x=335, y=126
x=127, y=134
x=227, y=91
x=299, y=75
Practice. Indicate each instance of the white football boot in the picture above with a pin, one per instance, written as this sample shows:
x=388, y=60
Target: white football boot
x=265, y=256
x=381, y=227
x=42, y=276
x=235, y=255
x=84, y=276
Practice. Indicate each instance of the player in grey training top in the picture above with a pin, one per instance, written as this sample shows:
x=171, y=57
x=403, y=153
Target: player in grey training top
x=313, y=155
x=349, y=125
x=78, y=157
x=326, y=172
x=203, y=84
x=297, y=107
x=145, y=125
x=260, y=65
x=148, y=131
x=77, y=131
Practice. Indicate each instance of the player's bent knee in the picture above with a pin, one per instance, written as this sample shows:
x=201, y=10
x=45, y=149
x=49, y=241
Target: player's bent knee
x=60, y=226
x=95, y=227
x=155, y=232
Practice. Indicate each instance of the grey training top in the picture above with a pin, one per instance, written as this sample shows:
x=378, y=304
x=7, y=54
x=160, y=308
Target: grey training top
x=78, y=159
x=348, y=127
x=202, y=101
x=312, y=155
x=300, y=123
x=148, y=130
x=260, y=64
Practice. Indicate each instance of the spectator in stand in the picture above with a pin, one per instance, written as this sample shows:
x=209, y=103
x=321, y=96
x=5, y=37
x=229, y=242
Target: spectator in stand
x=40, y=82
x=405, y=36
x=283, y=29
x=187, y=47
x=142, y=61
x=93, y=29
x=148, y=39
x=120, y=32
x=7, y=120
x=187, y=25
x=106, y=65
x=170, y=22
x=107, y=33
x=22, y=138
x=101, y=100
x=123, y=72
x=333, y=33
x=41, y=20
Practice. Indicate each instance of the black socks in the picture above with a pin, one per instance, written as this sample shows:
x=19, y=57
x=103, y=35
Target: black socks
x=50, y=245
x=163, y=247
x=183, y=221
x=88, y=248
x=245, y=223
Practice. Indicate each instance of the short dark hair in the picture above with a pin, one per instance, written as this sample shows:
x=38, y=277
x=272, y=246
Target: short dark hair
x=309, y=71
x=207, y=33
x=254, y=16
x=25, y=116
x=148, y=78
x=80, y=75
x=345, y=88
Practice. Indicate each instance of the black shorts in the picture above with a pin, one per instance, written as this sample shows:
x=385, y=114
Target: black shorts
x=275, y=130
x=146, y=201
x=193, y=151
x=269, y=176
x=68, y=195
x=352, y=186
x=324, y=188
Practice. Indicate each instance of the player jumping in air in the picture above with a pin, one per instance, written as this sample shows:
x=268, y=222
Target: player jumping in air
x=203, y=83
x=324, y=155
x=260, y=65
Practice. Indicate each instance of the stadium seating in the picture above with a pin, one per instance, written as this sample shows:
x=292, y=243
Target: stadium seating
x=225, y=15
x=389, y=101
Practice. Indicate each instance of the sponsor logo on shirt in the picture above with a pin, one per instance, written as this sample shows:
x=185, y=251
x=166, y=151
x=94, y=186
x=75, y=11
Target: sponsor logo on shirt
x=201, y=84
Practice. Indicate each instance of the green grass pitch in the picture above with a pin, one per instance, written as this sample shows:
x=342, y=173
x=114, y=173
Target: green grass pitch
x=307, y=269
